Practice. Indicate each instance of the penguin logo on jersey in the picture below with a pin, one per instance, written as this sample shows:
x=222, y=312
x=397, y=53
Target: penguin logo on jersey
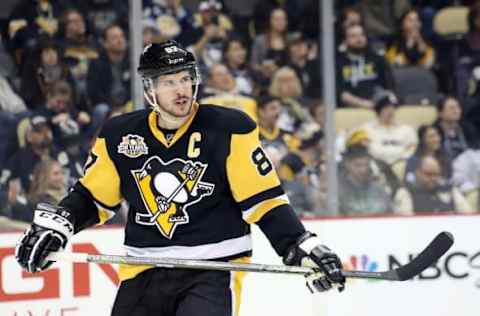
x=168, y=189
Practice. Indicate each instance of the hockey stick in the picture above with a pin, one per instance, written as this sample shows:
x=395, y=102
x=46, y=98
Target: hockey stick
x=437, y=248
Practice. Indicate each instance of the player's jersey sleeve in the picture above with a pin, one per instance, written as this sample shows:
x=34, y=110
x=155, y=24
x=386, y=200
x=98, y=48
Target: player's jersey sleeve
x=252, y=178
x=102, y=181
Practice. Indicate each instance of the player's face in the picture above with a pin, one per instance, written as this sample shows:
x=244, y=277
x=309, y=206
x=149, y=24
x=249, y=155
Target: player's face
x=174, y=93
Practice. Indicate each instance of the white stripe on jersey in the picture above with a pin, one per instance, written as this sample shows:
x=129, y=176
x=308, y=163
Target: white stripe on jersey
x=221, y=249
x=246, y=214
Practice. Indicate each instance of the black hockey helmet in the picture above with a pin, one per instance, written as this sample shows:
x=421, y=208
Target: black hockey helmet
x=165, y=58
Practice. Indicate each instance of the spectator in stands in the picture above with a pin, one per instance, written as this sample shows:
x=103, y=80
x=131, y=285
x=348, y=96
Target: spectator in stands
x=268, y=51
x=308, y=70
x=456, y=135
x=101, y=14
x=48, y=185
x=221, y=89
x=300, y=171
x=172, y=19
x=12, y=109
x=29, y=22
x=39, y=72
x=317, y=110
x=108, y=78
x=66, y=121
x=79, y=49
x=428, y=194
x=295, y=9
x=151, y=32
x=286, y=86
x=213, y=29
x=380, y=171
x=39, y=146
x=360, y=192
x=429, y=144
x=380, y=17
x=235, y=58
x=389, y=141
x=276, y=142
x=409, y=47
x=466, y=169
x=348, y=16
x=470, y=45
x=360, y=72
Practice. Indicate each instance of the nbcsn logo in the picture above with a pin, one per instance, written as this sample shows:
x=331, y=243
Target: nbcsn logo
x=363, y=263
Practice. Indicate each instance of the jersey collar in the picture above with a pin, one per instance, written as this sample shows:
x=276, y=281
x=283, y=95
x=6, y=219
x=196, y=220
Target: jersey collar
x=269, y=135
x=152, y=123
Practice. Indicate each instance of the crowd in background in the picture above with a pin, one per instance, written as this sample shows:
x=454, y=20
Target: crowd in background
x=64, y=70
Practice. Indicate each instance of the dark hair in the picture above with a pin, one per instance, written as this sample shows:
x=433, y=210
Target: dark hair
x=339, y=31
x=473, y=13
x=422, y=130
x=356, y=151
x=440, y=155
x=398, y=39
x=63, y=20
x=109, y=27
x=443, y=100
x=265, y=98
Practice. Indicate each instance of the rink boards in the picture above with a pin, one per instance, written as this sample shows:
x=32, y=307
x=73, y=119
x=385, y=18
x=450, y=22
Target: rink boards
x=452, y=287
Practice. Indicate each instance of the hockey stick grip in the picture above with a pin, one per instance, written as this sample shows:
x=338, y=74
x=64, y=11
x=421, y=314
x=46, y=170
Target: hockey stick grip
x=68, y=256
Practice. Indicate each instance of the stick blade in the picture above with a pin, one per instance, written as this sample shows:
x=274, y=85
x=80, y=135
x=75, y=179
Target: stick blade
x=436, y=249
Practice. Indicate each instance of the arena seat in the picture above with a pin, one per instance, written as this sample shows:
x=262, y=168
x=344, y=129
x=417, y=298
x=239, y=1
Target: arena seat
x=451, y=21
x=351, y=118
x=416, y=115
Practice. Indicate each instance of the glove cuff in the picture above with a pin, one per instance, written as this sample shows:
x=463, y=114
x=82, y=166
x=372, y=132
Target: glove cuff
x=296, y=252
x=55, y=218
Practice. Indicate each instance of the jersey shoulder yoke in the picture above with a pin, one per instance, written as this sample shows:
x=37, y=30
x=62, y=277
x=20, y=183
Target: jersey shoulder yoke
x=224, y=118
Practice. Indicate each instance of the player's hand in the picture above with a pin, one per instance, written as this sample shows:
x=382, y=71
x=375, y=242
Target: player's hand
x=308, y=251
x=51, y=228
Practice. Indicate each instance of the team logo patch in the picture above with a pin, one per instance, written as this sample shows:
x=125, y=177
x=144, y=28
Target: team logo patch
x=132, y=146
x=168, y=189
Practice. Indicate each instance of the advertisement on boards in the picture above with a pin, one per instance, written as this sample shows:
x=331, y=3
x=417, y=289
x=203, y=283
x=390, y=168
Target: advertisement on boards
x=449, y=287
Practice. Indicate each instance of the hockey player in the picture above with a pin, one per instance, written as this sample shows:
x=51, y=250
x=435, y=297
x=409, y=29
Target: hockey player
x=195, y=178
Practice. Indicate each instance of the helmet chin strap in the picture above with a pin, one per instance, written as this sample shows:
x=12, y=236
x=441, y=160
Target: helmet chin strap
x=166, y=120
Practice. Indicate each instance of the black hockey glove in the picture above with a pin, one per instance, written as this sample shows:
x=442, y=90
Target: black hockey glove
x=308, y=251
x=51, y=228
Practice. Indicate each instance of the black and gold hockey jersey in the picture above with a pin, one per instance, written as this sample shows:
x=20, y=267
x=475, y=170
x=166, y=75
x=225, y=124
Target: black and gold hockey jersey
x=191, y=197
x=279, y=140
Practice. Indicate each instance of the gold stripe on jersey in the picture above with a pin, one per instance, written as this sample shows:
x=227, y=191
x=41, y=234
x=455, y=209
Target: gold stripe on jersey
x=243, y=175
x=128, y=271
x=104, y=214
x=257, y=211
x=236, y=285
x=153, y=124
x=101, y=178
